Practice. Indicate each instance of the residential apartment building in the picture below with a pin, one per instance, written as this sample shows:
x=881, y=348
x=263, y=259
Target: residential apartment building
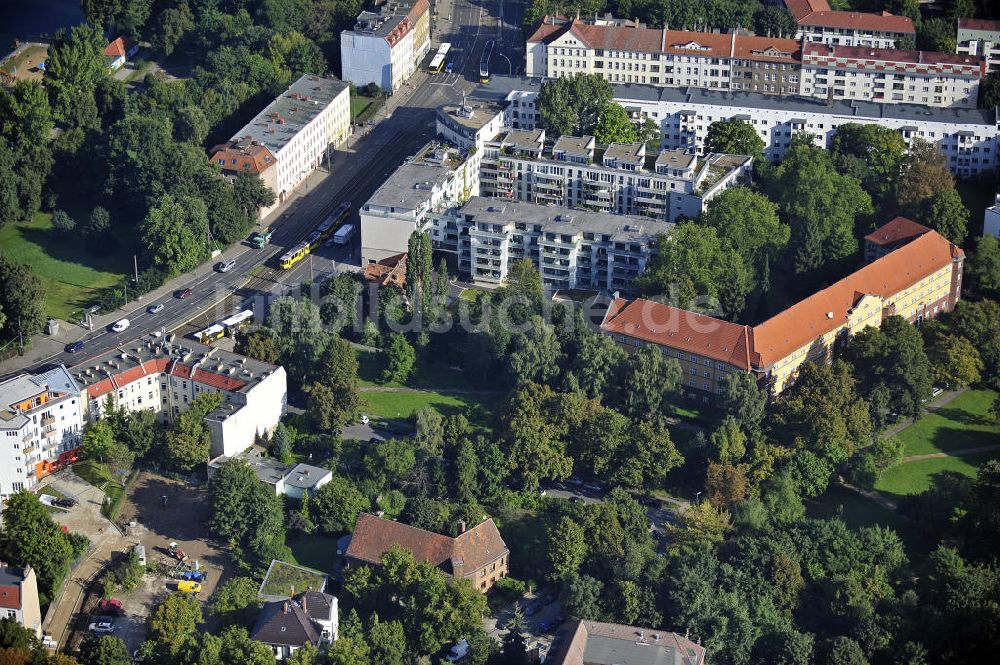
x=287, y=625
x=41, y=418
x=247, y=156
x=968, y=138
x=596, y=643
x=19, y=597
x=991, y=220
x=633, y=53
x=292, y=480
x=386, y=45
x=890, y=237
x=817, y=22
x=419, y=192
x=471, y=124
x=980, y=37
x=918, y=280
x=166, y=374
x=298, y=129
x=620, y=178
x=891, y=76
x=478, y=554
x=571, y=248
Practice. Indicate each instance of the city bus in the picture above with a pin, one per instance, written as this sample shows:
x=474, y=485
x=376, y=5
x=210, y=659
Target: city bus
x=293, y=256
x=484, y=62
x=437, y=62
x=210, y=334
x=238, y=321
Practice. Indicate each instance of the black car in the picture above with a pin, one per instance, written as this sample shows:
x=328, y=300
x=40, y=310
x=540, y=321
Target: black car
x=73, y=347
x=532, y=609
x=64, y=502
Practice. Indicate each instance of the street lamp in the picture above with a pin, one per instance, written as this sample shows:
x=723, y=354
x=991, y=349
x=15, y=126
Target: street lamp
x=696, y=497
x=510, y=67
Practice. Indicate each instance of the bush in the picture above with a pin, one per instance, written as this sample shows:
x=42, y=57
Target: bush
x=371, y=90
x=61, y=221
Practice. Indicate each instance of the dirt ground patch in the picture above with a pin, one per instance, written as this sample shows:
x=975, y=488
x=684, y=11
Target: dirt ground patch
x=184, y=520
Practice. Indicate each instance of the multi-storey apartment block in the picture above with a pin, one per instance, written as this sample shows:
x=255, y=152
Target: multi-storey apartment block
x=991, y=220
x=918, y=280
x=41, y=417
x=165, y=375
x=425, y=187
x=571, y=248
x=473, y=123
x=620, y=178
x=891, y=75
x=386, y=45
x=634, y=53
x=968, y=138
x=980, y=37
x=297, y=129
x=19, y=597
x=819, y=23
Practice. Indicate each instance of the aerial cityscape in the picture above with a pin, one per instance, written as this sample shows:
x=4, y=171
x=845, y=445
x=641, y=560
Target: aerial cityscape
x=500, y=332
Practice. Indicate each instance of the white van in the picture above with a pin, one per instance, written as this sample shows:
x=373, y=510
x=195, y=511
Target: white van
x=140, y=552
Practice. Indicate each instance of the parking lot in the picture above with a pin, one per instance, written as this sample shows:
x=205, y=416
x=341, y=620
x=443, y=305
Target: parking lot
x=542, y=616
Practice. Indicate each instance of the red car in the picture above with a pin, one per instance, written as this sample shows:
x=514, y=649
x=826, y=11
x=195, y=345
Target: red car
x=182, y=293
x=111, y=606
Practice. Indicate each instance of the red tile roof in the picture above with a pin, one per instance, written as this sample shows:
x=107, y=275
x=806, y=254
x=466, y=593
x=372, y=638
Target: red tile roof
x=680, y=329
x=477, y=547
x=242, y=155
x=808, y=319
x=897, y=230
x=546, y=32
x=159, y=366
x=10, y=596
x=867, y=54
x=802, y=8
x=116, y=48
x=884, y=22
x=756, y=48
x=983, y=24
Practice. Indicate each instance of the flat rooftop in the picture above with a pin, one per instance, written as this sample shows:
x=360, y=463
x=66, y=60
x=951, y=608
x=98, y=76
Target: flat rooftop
x=25, y=386
x=410, y=185
x=268, y=469
x=305, y=476
x=500, y=86
x=474, y=114
x=295, y=108
x=559, y=219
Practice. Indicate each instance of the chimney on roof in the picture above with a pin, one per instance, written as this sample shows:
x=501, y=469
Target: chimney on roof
x=305, y=606
x=461, y=526
x=285, y=608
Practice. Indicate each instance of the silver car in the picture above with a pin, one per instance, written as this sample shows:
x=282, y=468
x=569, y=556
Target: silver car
x=225, y=266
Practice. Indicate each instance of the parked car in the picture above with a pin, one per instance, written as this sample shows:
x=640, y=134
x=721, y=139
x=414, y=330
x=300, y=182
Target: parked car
x=140, y=552
x=73, y=347
x=225, y=266
x=120, y=325
x=365, y=419
x=111, y=606
x=575, y=480
x=532, y=609
x=155, y=308
x=194, y=575
x=189, y=587
x=449, y=68
x=593, y=487
x=101, y=627
x=547, y=625
x=64, y=502
x=180, y=294
x=458, y=651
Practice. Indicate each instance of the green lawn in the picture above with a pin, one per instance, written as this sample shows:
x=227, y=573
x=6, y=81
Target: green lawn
x=917, y=477
x=71, y=274
x=282, y=577
x=359, y=103
x=427, y=376
x=403, y=405
x=97, y=475
x=962, y=423
x=318, y=552
x=35, y=53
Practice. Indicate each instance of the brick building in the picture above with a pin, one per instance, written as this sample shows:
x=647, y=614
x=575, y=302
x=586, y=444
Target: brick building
x=478, y=554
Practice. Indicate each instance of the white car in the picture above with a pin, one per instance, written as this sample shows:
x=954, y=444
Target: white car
x=101, y=627
x=458, y=651
x=120, y=326
x=364, y=419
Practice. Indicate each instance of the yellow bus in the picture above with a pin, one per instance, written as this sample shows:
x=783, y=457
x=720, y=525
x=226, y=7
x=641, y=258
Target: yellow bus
x=210, y=334
x=238, y=321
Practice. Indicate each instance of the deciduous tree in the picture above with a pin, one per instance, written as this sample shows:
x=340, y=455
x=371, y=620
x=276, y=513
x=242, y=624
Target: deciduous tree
x=925, y=173
x=954, y=361
x=22, y=299
x=32, y=538
x=567, y=549
x=175, y=233
x=188, y=440
x=945, y=213
x=614, y=125
x=337, y=504
x=173, y=625
x=734, y=137
x=104, y=650
x=400, y=359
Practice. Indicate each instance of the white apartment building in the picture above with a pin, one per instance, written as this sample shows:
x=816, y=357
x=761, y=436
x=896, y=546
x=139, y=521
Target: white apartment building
x=41, y=418
x=819, y=23
x=472, y=123
x=420, y=190
x=991, y=221
x=386, y=45
x=571, y=248
x=633, y=53
x=298, y=129
x=166, y=374
x=968, y=138
x=891, y=76
x=619, y=178
x=980, y=37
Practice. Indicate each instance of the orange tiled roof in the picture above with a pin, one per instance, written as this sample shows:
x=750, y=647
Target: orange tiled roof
x=978, y=24
x=884, y=22
x=897, y=230
x=808, y=319
x=243, y=156
x=116, y=49
x=391, y=270
x=755, y=48
x=802, y=8
x=870, y=54
x=680, y=329
x=478, y=546
x=160, y=366
x=10, y=596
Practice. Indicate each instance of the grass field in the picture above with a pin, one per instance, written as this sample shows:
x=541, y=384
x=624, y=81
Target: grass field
x=962, y=423
x=71, y=275
x=402, y=405
x=428, y=376
x=917, y=477
x=24, y=70
x=97, y=475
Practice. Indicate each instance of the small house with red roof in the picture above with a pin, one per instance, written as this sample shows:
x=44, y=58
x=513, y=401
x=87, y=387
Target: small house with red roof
x=478, y=554
x=19, y=597
x=118, y=51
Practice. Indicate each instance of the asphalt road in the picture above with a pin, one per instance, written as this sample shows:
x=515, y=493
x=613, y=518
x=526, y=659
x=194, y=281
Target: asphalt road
x=405, y=125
